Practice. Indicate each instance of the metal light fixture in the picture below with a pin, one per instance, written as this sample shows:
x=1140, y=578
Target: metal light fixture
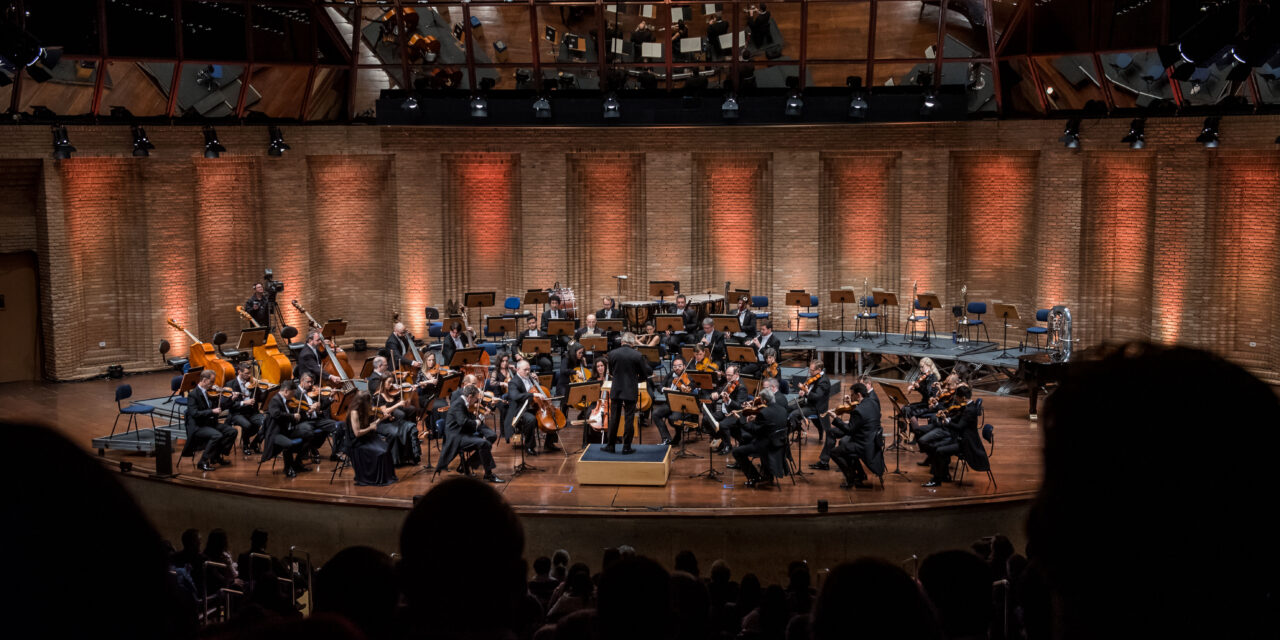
x=542, y=107
x=62, y=148
x=409, y=104
x=929, y=104
x=479, y=107
x=1209, y=133
x=1136, y=137
x=212, y=148
x=858, y=107
x=1071, y=134
x=795, y=105
x=141, y=145
x=729, y=110
x=612, y=108
x=278, y=146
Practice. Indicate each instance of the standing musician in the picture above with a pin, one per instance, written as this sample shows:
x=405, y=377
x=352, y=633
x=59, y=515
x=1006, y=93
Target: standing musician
x=464, y=430
x=861, y=441
x=259, y=306
x=730, y=397
x=543, y=360
x=764, y=435
x=712, y=340
x=400, y=347
x=762, y=342
x=243, y=411
x=957, y=435
x=663, y=417
x=396, y=423
x=813, y=395
x=309, y=358
x=203, y=412
x=284, y=430
x=452, y=342
x=628, y=368
x=746, y=317
x=315, y=415
x=522, y=389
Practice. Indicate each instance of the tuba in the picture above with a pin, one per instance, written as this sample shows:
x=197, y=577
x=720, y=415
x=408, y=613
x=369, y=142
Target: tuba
x=1060, y=333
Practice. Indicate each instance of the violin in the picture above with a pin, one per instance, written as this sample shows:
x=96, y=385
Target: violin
x=682, y=383
x=771, y=371
x=847, y=407
x=705, y=365
x=804, y=386
x=951, y=411
x=751, y=407
x=728, y=390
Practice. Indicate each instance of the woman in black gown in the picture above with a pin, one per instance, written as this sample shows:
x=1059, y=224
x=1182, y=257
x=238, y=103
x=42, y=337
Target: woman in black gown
x=370, y=454
x=401, y=434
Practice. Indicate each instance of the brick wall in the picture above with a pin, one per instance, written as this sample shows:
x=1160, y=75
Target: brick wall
x=1174, y=242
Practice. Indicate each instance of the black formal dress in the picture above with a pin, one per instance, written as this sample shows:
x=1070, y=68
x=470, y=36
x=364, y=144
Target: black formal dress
x=203, y=427
x=371, y=460
x=464, y=431
x=401, y=433
x=627, y=368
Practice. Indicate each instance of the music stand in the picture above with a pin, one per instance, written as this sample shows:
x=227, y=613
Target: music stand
x=701, y=379
x=478, y=300
x=669, y=322
x=609, y=325
x=686, y=403
x=686, y=352
x=499, y=324
x=885, y=299
x=930, y=302
x=1006, y=312
x=449, y=384
x=561, y=328
x=545, y=380
x=661, y=289
x=750, y=383
x=651, y=354
x=842, y=296
x=583, y=393
x=899, y=400
x=729, y=324
x=464, y=357
x=797, y=299
x=595, y=344
x=536, y=346
x=536, y=296
x=742, y=353
x=251, y=339
x=334, y=328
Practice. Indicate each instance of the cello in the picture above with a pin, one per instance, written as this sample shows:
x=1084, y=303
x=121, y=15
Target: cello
x=204, y=355
x=273, y=365
x=548, y=416
x=336, y=364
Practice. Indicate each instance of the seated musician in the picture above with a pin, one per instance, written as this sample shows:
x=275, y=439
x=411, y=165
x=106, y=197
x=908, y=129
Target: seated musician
x=663, y=417
x=773, y=370
x=764, y=435
x=370, y=453
x=649, y=335
x=464, y=430
x=728, y=398
x=598, y=371
x=588, y=328
x=497, y=382
x=574, y=368
x=523, y=388
x=542, y=360
x=400, y=348
x=554, y=312
x=926, y=383
x=861, y=441
x=609, y=311
x=395, y=424
x=315, y=416
x=203, y=412
x=689, y=316
x=746, y=318
x=958, y=435
x=923, y=420
x=812, y=400
x=285, y=432
x=309, y=358
x=712, y=340
x=454, y=340
x=243, y=410
x=762, y=342
x=381, y=369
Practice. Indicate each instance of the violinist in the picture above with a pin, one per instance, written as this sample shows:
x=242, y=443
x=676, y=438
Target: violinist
x=399, y=345
x=543, y=360
x=522, y=390
x=284, y=430
x=728, y=398
x=243, y=410
x=456, y=339
x=926, y=384
x=712, y=341
x=957, y=435
x=395, y=425
x=663, y=416
x=315, y=416
x=370, y=453
x=497, y=383
x=702, y=361
x=203, y=410
x=465, y=431
x=945, y=390
x=861, y=441
x=812, y=400
x=309, y=358
x=765, y=436
x=762, y=342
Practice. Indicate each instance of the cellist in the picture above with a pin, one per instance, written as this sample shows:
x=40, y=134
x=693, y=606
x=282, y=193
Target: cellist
x=522, y=388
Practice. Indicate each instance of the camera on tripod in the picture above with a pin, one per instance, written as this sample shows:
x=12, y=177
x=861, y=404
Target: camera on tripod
x=269, y=283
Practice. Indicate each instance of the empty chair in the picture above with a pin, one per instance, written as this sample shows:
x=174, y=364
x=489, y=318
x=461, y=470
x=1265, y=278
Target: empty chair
x=1036, y=331
x=813, y=302
x=124, y=392
x=868, y=317
x=760, y=302
x=978, y=309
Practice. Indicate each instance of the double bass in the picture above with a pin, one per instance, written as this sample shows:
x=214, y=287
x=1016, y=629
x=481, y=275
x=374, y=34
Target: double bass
x=204, y=355
x=336, y=364
x=272, y=365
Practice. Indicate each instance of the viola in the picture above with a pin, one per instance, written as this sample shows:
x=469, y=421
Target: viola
x=771, y=371
x=804, y=386
x=273, y=365
x=205, y=355
x=705, y=365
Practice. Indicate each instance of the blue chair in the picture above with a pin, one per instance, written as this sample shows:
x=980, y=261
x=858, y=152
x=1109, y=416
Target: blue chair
x=760, y=302
x=179, y=401
x=813, y=302
x=435, y=329
x=976, y=308
x=1036, y=331
x=123, y=392
x=512, y=304
x=868, y=316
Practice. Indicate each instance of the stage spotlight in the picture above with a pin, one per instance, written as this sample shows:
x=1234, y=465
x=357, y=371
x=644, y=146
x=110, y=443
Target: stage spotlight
x=729, y=110
x=858, y=107
x=929, y=104
x=1071, y=134
x=62, y=148
x=141, y=145
x=212, y=148
x=278, y=146
x=1137, y=136
x=542, y=108
x=479, y=107
x=410, y=104
x=612, y=108
x=1209, y=133
x=795, y=105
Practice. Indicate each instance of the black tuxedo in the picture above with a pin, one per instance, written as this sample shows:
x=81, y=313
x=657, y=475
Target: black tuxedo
x=283, y=434
x=449, y=347
x=627, y=368
x=310, y=361
x=690, y=319
x=518, y=392
x=543, y=361
x=766, y=436
x=772, y=342
x=748, y=321
x=960, y=437
x=610, y=314
x=861, y=441
x=716, y=344
x=247, y=417
x=664, y=417
x=731, y=402
x=546, y=315
x=202, y=424
x=464, y=431
x=815, y=402
x=714, y=30
x=399, y=350
x=315, y=417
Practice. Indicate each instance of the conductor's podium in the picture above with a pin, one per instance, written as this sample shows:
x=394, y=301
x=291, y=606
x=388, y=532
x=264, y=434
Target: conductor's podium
x=648, y=466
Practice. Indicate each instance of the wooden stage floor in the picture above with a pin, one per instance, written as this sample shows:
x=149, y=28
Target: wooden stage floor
x=85, y=410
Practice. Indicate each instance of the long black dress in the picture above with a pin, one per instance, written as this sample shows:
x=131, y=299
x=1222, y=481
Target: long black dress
x=401, y=435
x=371, y=459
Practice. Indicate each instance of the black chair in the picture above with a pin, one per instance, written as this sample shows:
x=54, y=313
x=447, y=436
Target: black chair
x=988, y=434
x=342, y=438
x=124, y=392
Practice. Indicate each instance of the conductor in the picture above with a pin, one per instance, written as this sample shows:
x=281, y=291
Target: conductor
x=629, y=368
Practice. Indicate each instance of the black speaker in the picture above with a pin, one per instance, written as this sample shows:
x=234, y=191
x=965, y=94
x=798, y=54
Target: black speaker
x=164, y=453
x=115, y=371
x=822, y=506
x=360, y=344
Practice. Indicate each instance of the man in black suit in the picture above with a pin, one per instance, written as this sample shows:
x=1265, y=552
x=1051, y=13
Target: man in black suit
x=588, y=328
x=813, y=401
x=712, y=340
x=961, y=438
x=716, y=27
x=522, y=389
x=310, y=359
x=554, y=312
x=627, y=368
x=663, y=417
x=243, y=411
x=400, y=347
x=453, y=341
x=315, y=417
x=746, y=318
x=758, y=24
x=725, y=401
x=689, y=316
x=203, y=413
x=284, y=430
x=764, y=340
x=765, y=435
x=861, y=440
x=609, y=311
x=465, y=431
